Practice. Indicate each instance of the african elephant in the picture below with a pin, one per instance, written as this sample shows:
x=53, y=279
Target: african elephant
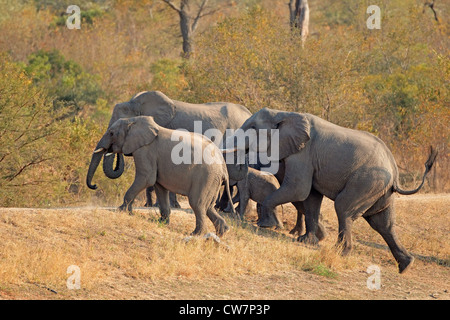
x=269, y=220
x=353, y=168
x=256, y=186
x=174, y=114
x=152, y=148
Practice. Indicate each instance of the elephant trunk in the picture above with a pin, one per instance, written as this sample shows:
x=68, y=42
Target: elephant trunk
x=100, y=150
x=108, y=166
x=95, y=161
x=237, y=168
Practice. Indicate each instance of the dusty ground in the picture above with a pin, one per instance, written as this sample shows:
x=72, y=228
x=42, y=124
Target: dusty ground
x=135, y=257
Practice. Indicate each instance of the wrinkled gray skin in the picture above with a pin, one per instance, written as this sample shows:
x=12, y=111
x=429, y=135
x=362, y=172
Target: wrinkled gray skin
x=268, y=221
x=299, y=227
x=353, y=168
x=257, y=186
x=151, y=147
x=173, y=114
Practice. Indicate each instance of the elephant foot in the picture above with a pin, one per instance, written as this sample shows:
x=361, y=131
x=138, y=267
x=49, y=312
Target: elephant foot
x=221, y=229
x=148, y=205
x=164, y=220
x=127, y=208
x=308, y=238
x=175, y=204
x=404, y=265
x=269, y=222
x=269, y=218
x=197, y=231
x=227, y=209
x=296, y=230
x=321, y=232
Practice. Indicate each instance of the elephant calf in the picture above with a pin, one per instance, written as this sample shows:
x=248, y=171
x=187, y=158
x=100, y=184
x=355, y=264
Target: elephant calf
x=153, y=150
x=257, y=186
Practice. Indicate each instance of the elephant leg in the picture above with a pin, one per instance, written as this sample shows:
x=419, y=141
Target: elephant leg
x=149, y=195
x=268, y=218
x=138, y=185
x=345, y=234
x=244, y=197
x=202, y=198
x=290, y=190
x=164, y=203
x=353, y=201
x=219, y=223
x=173, y=200
x=300, y=224
x=222, y=200
x=299, y=227
x=312, y=206
x=200, y=214
x=383, y=223
x=258, y=210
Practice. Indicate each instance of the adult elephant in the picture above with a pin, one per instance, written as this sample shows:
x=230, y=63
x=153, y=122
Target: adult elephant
x=173, y=114
x=351, y=167
x=151, y=146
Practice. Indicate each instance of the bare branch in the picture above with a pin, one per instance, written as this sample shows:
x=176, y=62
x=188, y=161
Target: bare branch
x=431, y=6
x=32, y=163
x=199, y=14
x=172, y=5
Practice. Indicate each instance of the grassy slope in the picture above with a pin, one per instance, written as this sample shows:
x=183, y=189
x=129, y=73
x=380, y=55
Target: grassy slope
x=127, y=257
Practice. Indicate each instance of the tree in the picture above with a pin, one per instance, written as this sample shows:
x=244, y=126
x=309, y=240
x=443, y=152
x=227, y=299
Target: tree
x=189, y=20
x=27, y=132
x=431, y=6
x=299, y=17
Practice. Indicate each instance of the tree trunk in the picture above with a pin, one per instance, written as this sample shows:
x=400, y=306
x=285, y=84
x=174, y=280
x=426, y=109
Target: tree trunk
x=188, y=22
x=299, y=17
x=186, y=29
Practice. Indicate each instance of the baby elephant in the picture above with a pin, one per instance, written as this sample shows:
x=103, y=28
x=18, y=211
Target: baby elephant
x=257, y=185
x=164, y=158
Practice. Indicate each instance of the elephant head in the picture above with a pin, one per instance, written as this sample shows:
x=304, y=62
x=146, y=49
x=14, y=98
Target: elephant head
x=148, y=103
x=287, y=133
x=124, y=136
x=237, y=170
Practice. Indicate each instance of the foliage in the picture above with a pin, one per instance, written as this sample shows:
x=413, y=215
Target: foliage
x=386, y=82
x=58, y=86
x=63, y=79
x=28, y=134
x=86, y=17
x=168, y=77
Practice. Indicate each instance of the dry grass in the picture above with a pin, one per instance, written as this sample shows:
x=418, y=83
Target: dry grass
x=115, y=250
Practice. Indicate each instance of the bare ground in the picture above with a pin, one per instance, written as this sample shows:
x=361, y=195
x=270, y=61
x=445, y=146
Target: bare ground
x=135, y=257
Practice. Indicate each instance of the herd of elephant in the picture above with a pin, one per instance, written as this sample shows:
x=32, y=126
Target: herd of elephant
x=316, y=158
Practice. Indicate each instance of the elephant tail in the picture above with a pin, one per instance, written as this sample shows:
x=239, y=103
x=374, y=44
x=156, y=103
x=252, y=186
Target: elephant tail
x=428, y=166
x=227, y=188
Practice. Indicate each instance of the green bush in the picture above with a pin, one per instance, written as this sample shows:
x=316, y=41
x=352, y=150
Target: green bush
x=29, y=141
x=64, y=79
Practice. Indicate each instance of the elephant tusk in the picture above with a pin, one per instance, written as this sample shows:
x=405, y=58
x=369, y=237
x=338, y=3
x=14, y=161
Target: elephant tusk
x=109, y=154
x=228, y=150
x=99, y=150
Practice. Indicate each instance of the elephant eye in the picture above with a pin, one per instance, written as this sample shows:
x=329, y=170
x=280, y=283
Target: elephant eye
x=111, y=133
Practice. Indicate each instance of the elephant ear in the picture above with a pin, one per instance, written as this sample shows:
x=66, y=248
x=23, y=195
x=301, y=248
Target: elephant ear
x=155, y=104
x=294, y=132
x=140, y=132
